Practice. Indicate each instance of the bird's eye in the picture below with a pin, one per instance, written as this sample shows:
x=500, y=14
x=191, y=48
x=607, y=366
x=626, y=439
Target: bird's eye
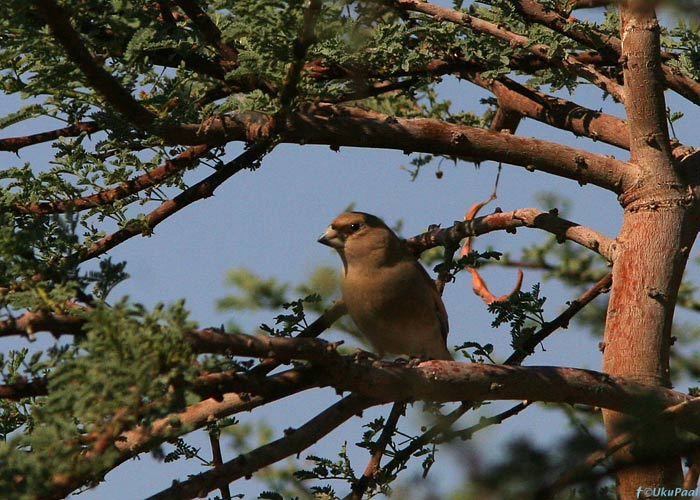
x=354, y=227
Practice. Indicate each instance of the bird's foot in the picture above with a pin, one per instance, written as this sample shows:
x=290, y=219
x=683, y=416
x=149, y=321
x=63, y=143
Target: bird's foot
x=410, y=361
x=360, y=355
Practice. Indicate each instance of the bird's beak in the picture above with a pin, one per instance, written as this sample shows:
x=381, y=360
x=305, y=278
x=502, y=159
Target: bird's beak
x=332, y=238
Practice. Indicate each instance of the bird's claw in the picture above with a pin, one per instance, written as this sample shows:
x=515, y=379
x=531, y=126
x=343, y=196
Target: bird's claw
x=360, y=355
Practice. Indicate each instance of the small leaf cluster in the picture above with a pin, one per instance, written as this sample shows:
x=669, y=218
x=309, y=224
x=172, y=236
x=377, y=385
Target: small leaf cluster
x=522, y=311
x=293, y=322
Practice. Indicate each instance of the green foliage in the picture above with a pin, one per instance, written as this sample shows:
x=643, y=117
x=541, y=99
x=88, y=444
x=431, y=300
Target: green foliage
x=479, y=352
x=522, y=311
x=684, y=39
x=295, y=321
x=126, y=370
x=182, y=450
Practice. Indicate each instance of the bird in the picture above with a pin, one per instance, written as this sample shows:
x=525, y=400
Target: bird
x=388, y=294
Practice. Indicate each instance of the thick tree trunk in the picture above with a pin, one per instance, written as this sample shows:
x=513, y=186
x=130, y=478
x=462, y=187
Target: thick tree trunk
x=652, y=253
x=653, y=246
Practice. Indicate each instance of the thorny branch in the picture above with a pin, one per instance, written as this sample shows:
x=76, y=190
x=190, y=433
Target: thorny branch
x=171, y=167
x=292, y=443
x=509, y=221
x=202, y=189
x=14, y=144
x=542, y=51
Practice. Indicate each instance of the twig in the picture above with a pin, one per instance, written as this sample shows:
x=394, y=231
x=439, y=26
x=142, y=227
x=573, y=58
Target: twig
x=478, y=284
x=401, y=456
x=217, y=461
x=466, y=434
x=322, y=323
x=359, y=488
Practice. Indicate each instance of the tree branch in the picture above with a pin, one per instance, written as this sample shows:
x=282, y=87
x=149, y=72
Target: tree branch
x=444, y=381
x=258, y=346
x=557, y=112
x=14, y=144
x=508, y=221
x=110, y=88
x=108, y=196
x=32, y=322
x=542, y=51
x=561, y=321
x=345, y=126
x=374, y=464
x=294, y=441
x=609, y=46
x=97, y=76
x=203, y=189
x=210, y=32
x=197, y=415
x=24, y=389
x=131, y=443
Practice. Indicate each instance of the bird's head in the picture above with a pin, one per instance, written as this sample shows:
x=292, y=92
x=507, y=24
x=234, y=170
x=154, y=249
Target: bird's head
x=351, y=226
x=363, y=240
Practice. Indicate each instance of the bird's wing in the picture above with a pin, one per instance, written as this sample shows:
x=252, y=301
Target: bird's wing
x=441, y=314
x=440, y=310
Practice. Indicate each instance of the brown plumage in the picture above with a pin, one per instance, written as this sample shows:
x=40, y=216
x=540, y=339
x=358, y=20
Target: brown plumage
x=388, y=293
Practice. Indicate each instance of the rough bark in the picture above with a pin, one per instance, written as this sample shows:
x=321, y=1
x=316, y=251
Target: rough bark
x=653, y=246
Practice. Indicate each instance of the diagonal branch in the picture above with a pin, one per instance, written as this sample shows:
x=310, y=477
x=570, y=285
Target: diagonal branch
x=608, y=46
x=203, y=189
x=14, y=144
x=108, y=196
x=145, y=436
x=210, y=32
x=294, y=441
x=586, y=71
x=359, y=488
x=55, y=16
x=557, y=112
x=197, y=415
x=111, y=89
x=561, y=321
